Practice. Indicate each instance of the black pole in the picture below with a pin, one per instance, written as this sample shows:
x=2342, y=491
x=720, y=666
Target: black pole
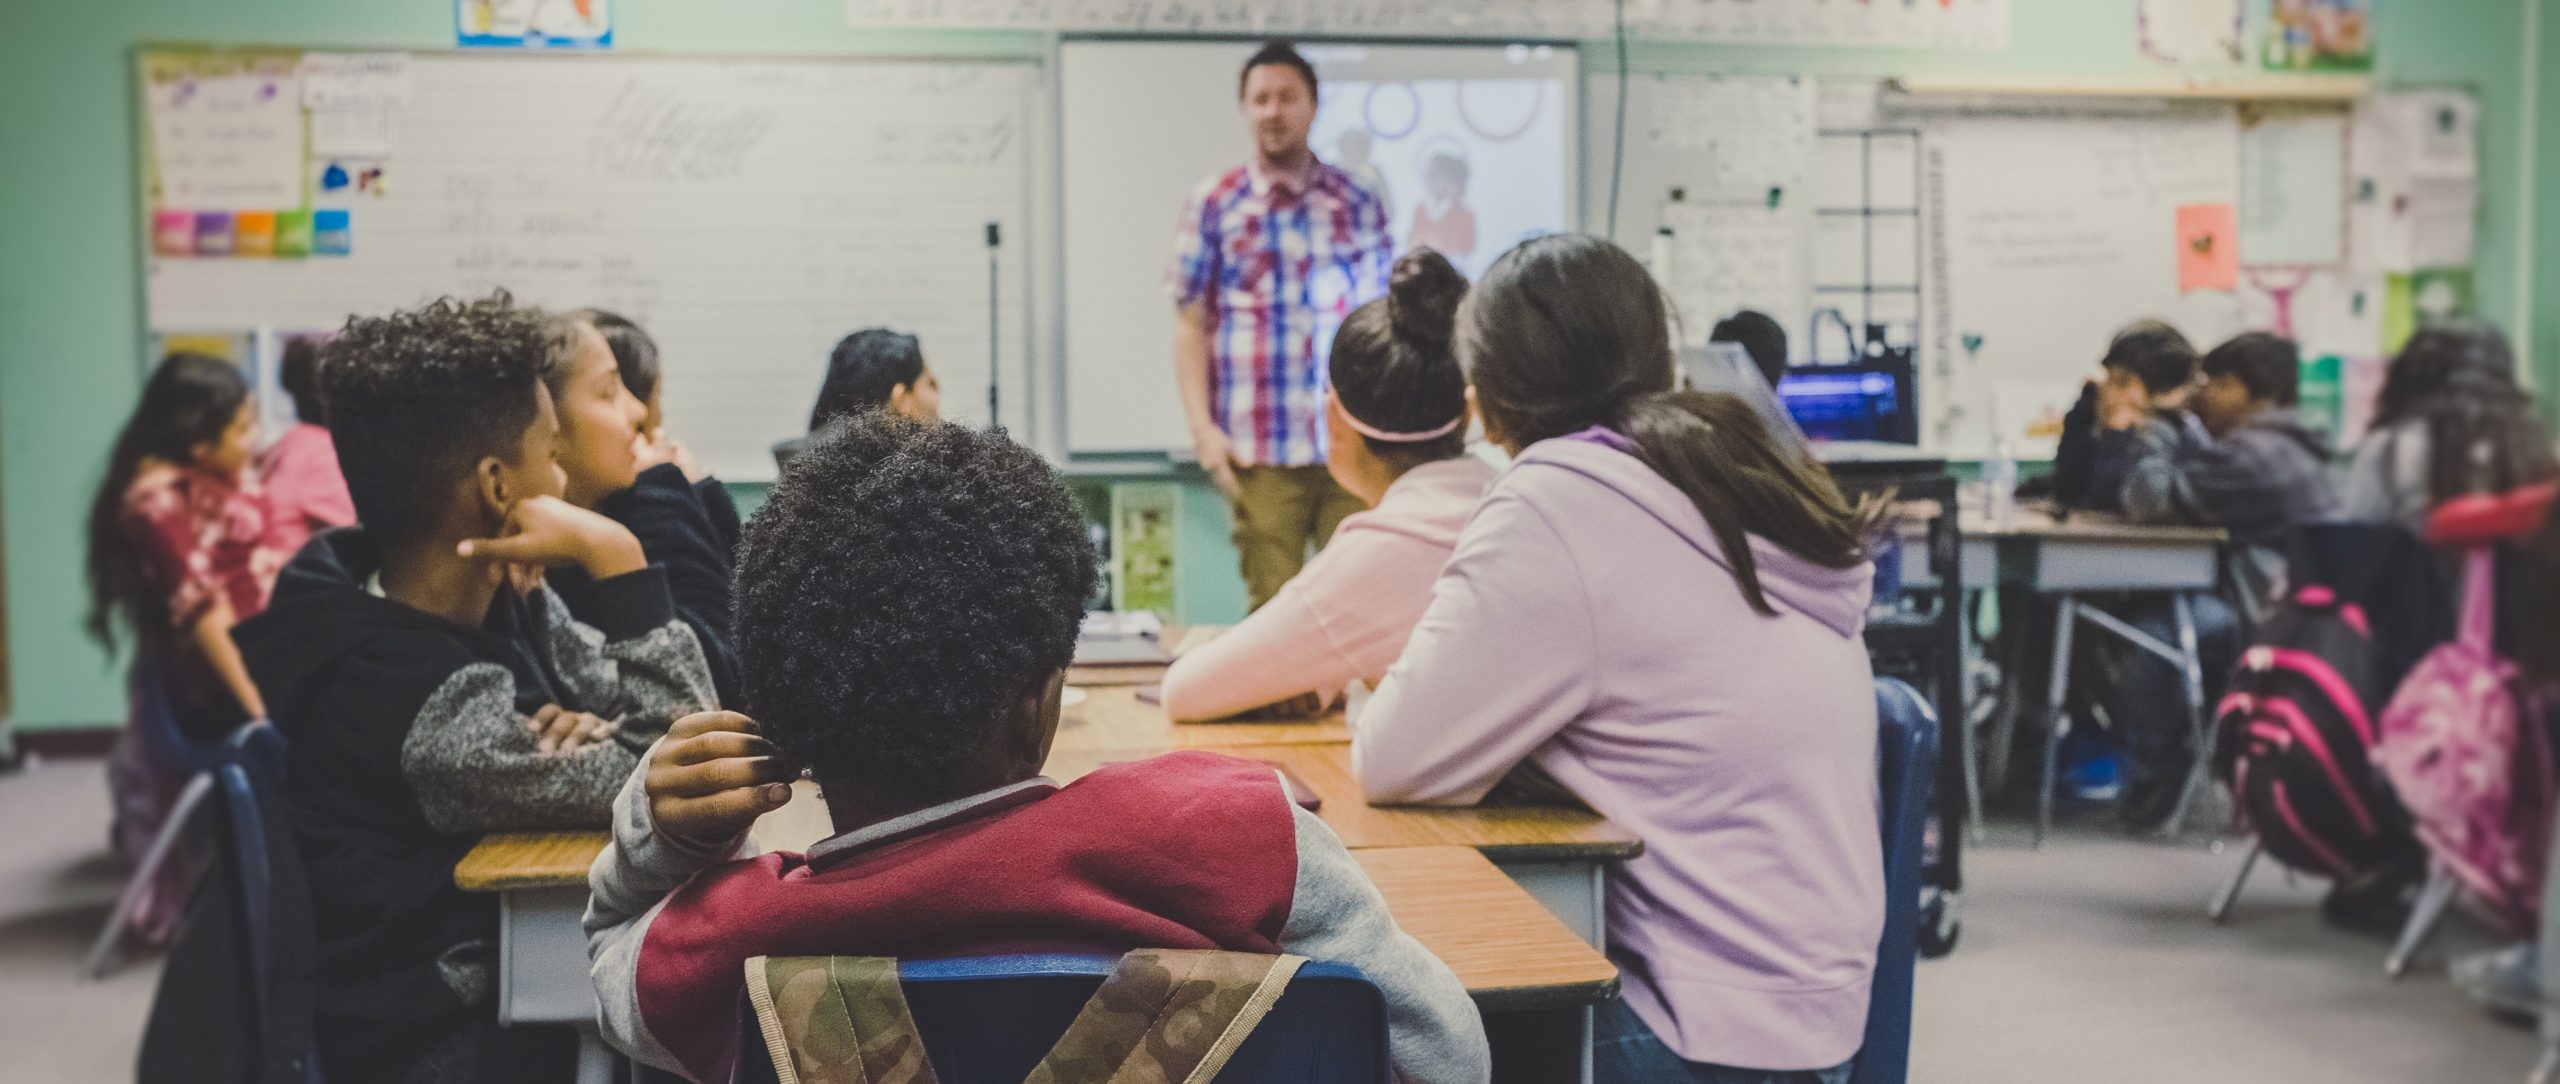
x=995, y=367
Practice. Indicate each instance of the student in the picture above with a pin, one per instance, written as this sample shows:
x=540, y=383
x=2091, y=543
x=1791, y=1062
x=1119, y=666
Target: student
x=2450, y=421
x=1758, y=336
x=868, y=370
x=615, y=467
x=908, y=603
x=1660, y=609
x=2242, y=460
x=635, y=356
x=305, y=494
x=177, y=555
x=430, y=690
x=1398, y=441
x=2149, y=369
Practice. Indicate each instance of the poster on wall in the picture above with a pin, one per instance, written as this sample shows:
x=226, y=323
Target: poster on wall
x=2319, y=35
x=2191, y=31
x=533, y=24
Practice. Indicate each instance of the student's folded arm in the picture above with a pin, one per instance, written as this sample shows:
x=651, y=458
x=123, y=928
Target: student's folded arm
x=473, y=763
x=1279, y=652
x=1434, y=1035
x=627, y=887
x=2157, y=486
x=637, y=662
x=1503, y=659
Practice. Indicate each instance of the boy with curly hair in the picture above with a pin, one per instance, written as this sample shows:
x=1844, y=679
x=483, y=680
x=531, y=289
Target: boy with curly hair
x=431, y=690
x=907, y=604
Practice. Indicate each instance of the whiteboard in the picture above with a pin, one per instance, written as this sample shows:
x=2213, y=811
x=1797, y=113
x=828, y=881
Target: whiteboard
x=2049, y=232
x=1143, y=123
x=747, y=212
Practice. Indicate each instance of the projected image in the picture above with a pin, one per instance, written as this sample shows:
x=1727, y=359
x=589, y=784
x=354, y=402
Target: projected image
x=1468, y=166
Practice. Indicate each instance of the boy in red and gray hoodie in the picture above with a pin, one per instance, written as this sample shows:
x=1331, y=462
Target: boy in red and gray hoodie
x=907, y=604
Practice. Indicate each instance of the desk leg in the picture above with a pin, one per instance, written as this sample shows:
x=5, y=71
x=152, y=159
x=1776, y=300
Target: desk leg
x=2191, y=663
x=2066, y=620
x=595, y=1060
x=1968, y=653
x=1588, y=1034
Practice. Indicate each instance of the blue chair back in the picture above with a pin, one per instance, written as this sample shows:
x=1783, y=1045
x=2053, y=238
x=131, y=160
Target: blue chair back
x=990, y=1019
x=274, y=903
x=1906, y=764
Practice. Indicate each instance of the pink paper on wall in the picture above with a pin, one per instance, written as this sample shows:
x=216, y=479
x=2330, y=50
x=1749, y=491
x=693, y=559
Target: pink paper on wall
x=2208, y=247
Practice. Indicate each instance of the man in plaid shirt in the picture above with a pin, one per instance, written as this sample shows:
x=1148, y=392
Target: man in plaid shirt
x=1268, y=259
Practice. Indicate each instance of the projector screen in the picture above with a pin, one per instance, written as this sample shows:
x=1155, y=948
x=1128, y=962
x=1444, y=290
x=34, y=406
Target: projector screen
x=1474, y=148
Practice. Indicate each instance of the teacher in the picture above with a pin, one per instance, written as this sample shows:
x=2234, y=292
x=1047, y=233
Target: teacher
x=1269, y=258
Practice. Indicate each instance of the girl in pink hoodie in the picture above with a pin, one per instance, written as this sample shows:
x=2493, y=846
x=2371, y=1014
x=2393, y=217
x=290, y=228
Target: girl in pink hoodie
x=1659, y=608
x=1398, y=441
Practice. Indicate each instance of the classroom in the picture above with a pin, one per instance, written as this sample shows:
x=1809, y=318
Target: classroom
x=1744, y=541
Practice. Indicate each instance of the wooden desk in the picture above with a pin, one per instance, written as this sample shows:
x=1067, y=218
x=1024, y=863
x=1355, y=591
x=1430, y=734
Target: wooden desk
x=1112, y=717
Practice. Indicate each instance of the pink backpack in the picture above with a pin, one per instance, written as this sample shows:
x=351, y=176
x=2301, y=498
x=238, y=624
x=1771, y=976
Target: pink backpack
x=2473, y=768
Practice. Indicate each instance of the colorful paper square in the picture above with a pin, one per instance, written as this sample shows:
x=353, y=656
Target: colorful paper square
x=2208, y=247
x=173, y=233
x=213, y=233
x=331, y=234
x=253, y=234
x=293, y=234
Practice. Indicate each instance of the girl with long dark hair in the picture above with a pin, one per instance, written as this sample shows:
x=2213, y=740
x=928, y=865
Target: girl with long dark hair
x=1661, y=609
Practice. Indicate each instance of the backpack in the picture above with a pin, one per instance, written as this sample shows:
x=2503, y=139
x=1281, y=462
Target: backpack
x=2475, y=774
x=2294, y=737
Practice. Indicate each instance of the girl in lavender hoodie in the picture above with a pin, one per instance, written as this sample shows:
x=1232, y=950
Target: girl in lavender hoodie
x=1660, y=609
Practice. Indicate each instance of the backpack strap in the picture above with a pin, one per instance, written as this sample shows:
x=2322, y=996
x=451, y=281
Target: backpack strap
x=2479, y=597
x=1167, y=1016
x=836, y=1020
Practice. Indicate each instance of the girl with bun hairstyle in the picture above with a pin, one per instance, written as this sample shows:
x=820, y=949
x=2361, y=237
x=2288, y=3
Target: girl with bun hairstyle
x=1398, y=418
x=1662, y=610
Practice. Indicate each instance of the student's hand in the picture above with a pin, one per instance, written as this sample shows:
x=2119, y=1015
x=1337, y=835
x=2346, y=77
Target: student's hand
x=546, y=531
x=656, y=447
x=2122, y=404
x=712, y=776
x=1217, y=456
x=559, y=730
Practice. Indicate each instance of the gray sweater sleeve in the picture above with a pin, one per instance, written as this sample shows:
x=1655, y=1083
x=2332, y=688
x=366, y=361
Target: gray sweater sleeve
x=641, y=667
x=1434, y=1034
x=628, y=886
x=474, y=766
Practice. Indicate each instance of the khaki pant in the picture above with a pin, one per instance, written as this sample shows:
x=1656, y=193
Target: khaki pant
x=1280, y=512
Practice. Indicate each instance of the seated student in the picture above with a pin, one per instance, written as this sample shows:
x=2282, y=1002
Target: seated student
x=2149, y=370
x=870, y=369
x=638, y=478
x=305, y=493
x=908, y=603
x=2243, y=460
x=177, y=556
x=1758, y=336
x=1398, y=419
x=2450, y=421
x=635, y=355
x=429, y=690
x=1660, y=609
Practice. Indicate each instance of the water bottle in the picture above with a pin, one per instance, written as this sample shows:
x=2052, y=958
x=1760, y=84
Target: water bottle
x=2000, y=483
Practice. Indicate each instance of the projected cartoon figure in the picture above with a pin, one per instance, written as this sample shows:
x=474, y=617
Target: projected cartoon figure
x=1442, y=220
x=1352, y=154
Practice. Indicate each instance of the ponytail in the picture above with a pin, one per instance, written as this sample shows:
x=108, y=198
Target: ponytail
x=1715, y=449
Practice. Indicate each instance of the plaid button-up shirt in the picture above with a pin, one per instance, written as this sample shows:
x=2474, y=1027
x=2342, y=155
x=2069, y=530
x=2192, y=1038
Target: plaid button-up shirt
x=1277, y=268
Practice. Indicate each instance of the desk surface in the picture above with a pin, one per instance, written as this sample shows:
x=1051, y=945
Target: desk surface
x=1507, y=948
x=1112, y=717
x=2042, y=524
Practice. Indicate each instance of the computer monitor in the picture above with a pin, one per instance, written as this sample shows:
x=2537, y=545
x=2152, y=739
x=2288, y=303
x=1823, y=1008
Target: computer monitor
x=1869, y=401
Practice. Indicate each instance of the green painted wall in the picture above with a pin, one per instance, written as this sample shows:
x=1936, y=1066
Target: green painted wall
x=70, y=296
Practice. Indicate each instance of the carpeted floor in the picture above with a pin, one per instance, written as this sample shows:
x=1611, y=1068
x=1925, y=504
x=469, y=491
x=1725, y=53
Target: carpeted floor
x=2088, y=963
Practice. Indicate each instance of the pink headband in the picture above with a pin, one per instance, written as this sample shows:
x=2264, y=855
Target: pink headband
x=1374, y=433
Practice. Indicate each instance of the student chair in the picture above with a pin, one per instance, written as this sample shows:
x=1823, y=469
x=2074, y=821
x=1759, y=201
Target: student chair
x=1906, y=762
x=990, y=1019
x=160, y=752
x=240, y=984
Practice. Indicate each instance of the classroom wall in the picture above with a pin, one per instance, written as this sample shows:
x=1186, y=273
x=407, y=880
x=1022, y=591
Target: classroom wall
x=70, y=297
